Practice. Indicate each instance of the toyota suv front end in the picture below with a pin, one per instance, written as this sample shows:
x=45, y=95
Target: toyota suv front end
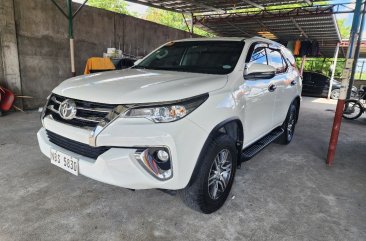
x=174, y=121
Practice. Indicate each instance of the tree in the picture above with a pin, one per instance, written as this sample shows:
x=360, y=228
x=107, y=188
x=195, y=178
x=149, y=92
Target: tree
x=343, y=28
x=118, y=6
x=171, y=19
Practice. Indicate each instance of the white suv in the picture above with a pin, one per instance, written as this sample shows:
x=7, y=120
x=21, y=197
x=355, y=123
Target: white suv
x=183, y=118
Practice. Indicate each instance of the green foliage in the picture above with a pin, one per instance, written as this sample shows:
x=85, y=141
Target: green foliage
x=343, y=28
x=322, y=65
x=172, y=19
x=118, y=6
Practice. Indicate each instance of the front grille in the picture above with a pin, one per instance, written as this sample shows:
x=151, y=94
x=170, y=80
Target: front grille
x=76, y=147
x=88, y=114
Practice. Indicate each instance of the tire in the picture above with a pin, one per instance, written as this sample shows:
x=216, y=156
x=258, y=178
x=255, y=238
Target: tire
x=200, y=193
x=334, y=95
x=289, y=126
x=355, y=110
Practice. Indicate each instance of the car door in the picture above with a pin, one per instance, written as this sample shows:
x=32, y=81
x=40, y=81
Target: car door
x=258, y=104
x=284, y=81
x=321, y=84
x=308, y=84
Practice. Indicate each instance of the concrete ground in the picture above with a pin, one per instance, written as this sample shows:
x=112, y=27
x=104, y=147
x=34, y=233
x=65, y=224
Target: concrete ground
x=284, y=193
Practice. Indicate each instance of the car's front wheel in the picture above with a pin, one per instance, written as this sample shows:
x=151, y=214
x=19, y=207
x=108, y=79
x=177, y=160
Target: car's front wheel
x=211, y=186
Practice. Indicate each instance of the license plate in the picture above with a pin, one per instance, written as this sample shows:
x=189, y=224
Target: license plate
x=66, y=162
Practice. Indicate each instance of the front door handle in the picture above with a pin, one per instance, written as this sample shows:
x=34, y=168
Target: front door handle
x=293, y=82
x=272, y=87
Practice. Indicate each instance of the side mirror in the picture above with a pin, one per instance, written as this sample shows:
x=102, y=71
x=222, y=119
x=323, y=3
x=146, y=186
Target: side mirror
x=137, y=62
x=259, y=71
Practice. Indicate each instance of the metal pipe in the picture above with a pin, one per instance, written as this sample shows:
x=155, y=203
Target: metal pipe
x=185, y=21
x=363, y=63
x=59, y=8
x=78, y=10
x=303, y=60
x=192, y=26
x=357, y=53
x=71, y=36
x=345, y=81
x=333, y=70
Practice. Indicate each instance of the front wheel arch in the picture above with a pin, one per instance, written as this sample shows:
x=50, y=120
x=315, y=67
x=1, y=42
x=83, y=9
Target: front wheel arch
x=233, y=127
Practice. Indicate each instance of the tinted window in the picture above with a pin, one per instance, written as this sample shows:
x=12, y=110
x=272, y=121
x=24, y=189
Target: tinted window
x=211, y=57
x=259, y=56
x=275, y=59
x=306, y=77
x=288, y=55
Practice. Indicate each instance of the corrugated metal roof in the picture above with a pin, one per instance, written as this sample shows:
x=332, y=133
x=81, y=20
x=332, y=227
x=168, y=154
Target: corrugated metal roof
x=309, y=22
x=202, y=6
x=317, y=23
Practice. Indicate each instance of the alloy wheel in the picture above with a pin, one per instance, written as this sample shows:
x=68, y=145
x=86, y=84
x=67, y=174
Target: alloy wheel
x=291, y=125
x=335, y=94
x=220, y=174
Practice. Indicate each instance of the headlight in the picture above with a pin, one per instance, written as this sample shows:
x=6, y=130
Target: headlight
x=165, y=112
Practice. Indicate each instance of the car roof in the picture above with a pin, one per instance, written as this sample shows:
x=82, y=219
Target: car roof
x=249, y=40
x=212, y=39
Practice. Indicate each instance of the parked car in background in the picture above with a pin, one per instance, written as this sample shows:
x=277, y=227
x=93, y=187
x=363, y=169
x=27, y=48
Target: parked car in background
x=317, y=85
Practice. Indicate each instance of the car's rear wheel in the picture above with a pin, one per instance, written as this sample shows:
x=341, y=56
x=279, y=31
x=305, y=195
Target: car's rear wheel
x=211, y=187
x=334, y=94
x=289, y=126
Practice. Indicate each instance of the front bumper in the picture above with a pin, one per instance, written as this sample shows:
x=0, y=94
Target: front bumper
x=118, y=166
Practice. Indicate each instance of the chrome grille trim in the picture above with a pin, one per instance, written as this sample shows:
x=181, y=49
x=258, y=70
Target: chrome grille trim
x=94, y=109
x=88, y=115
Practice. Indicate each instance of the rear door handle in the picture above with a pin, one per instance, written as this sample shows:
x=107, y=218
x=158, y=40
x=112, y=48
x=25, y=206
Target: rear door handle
x=272, y=87
x=293, y=82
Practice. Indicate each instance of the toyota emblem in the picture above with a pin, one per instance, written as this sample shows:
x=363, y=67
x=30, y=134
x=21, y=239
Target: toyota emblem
x=67, y=109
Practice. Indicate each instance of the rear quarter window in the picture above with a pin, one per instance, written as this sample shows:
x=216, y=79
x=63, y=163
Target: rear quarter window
x=289, y=56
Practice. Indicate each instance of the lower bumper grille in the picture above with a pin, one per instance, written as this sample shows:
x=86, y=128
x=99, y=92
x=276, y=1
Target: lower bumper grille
x=76, y=147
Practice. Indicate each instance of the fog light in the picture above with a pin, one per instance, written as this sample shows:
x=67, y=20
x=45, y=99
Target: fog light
x=163, y=155
x=156, y=161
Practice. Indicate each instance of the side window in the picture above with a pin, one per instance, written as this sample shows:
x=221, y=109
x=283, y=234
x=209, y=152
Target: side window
x=288, y=55
x=259, y=55
x=276, y=60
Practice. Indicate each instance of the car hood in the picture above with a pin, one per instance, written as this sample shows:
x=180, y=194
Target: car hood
x=132, y=86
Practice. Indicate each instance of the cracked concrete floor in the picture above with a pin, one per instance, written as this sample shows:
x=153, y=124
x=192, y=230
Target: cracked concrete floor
x=284, y=193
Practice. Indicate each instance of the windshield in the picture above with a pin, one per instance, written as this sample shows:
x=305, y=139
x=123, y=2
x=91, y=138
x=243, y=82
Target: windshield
x=209, y=57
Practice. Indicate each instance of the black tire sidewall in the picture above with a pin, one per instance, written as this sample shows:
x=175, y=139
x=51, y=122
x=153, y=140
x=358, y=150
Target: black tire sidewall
x=223, y=142
x=196, y=194
x=356, y=103
x=284, y=139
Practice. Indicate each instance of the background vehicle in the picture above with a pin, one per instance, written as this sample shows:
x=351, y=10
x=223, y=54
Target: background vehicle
x=317, y=85
x=355, y=108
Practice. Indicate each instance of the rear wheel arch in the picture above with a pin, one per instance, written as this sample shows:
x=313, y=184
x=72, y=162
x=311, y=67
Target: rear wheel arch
x=232, y=127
